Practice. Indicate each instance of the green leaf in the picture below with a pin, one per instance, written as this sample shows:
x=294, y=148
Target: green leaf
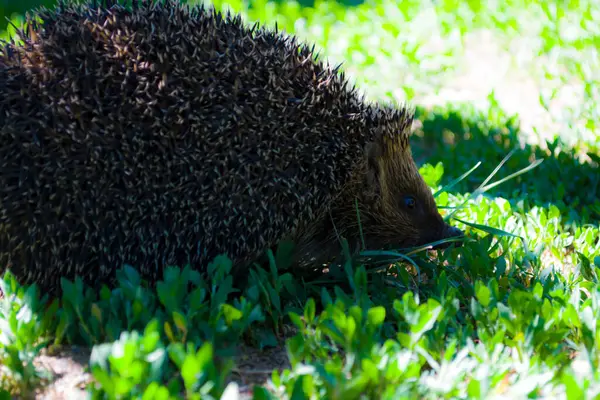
x=426, y=321
x=298, y=391
x=376, y=316
x=96, y=312
x=283, y=256
x=309, y=311
x=266, y=338
x=432, y=175
x=573, y=390
x=180, y=321
x=169, y=332
x=190, y=370
x=296, y=320
x=483, y=294
x=231, y=313
x=177, y=354
x=586, y=268
x=260, y=393
x=474, y=389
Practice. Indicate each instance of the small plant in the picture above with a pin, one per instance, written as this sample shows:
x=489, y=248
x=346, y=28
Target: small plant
x=26, y=320
x=135, y=365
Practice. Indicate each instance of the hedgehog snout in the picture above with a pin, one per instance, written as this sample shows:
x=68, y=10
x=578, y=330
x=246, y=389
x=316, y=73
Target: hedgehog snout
x=450, y=232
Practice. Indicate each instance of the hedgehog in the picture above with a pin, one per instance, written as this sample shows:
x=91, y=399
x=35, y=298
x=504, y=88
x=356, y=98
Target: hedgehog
x=156, y=134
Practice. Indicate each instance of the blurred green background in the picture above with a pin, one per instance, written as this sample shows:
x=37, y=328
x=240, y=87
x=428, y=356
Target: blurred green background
x=12, y=8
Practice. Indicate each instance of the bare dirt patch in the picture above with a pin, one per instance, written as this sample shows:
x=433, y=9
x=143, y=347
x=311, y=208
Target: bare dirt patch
x=69, y=377
x=68, y=367
x=254, y=367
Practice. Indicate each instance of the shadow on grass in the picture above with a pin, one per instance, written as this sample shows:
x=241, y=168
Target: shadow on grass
x=460, y=139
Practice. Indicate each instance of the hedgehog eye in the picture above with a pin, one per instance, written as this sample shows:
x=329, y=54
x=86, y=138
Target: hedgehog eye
x=410, y=202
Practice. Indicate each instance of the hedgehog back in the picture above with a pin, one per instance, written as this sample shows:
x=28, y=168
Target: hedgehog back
x=163, y=136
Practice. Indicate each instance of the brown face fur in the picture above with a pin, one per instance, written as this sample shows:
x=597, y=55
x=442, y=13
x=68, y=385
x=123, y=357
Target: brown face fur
x=396, y=207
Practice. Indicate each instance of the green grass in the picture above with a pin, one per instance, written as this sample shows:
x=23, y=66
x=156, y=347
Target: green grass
x=513, y=313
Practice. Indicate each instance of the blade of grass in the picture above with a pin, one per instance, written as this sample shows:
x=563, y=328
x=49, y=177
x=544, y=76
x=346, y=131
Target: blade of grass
x=495, y=171
x=362, y=237
x=494, y=231
x=530, y=167
x=428, y=246
x=396, y=257
x=477, y=191
x=455, y=181
x=483, y=188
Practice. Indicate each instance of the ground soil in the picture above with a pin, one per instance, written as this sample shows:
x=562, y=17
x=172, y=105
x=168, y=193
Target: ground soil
x=69, y=369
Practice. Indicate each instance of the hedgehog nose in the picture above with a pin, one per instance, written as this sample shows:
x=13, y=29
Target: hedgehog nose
x=452, y=231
